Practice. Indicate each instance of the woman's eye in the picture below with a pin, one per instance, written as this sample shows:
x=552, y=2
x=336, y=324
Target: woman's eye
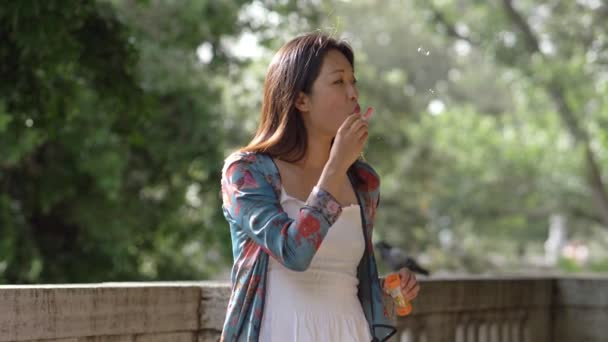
x=339, y=82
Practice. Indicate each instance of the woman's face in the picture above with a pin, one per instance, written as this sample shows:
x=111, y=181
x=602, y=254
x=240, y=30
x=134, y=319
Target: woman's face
x=333, y=98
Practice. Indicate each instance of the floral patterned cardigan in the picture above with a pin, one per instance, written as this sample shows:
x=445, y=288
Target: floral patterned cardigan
x=260, y=229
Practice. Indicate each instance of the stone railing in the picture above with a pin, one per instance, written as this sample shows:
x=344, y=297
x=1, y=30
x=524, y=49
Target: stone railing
x=481, y=310
x=450, y=309
x=116, y=312
x=509, y=310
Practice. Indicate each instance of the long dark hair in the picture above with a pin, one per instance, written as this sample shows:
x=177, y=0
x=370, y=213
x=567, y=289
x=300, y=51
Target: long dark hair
x=294, y=68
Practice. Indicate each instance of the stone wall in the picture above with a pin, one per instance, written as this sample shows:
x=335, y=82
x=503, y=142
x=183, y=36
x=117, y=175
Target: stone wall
x=580, y=310
x=117, y=312
x=449, y=309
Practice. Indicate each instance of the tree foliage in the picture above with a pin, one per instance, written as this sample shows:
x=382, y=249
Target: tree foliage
x=115, y=117
x=490, y=120
x=110, y=142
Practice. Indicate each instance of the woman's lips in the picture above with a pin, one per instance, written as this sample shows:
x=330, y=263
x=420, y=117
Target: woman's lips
x=357, y=109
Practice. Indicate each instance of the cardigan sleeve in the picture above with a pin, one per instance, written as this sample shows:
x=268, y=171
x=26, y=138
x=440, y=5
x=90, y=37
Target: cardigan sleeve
x=249, y=202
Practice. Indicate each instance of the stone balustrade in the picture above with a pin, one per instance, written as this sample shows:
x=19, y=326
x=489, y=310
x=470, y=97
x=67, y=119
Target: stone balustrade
x=472, y=309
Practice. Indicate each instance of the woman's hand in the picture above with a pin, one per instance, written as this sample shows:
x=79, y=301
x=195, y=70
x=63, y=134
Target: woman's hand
x=349, y=141
x=409, y=284
x=348, y=144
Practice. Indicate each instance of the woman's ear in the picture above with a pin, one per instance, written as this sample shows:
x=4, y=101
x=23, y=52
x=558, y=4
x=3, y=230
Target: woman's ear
x=303, y=103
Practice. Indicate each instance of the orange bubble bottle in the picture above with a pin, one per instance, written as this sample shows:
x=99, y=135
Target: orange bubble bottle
x=392, y=284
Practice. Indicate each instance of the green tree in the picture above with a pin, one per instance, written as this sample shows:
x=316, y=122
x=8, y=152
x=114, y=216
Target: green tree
x=480, y=136
x=557, y=46
x=110, y=140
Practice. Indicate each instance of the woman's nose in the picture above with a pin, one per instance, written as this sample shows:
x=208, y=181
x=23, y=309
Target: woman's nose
x=353, y=93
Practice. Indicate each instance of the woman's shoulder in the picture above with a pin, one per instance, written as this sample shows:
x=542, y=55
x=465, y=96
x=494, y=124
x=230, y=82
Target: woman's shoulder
x=248, y=160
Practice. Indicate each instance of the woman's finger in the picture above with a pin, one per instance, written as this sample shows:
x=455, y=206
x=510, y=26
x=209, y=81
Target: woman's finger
x=347, y=123
x=363, y=136
x=411, y=284
x=405, y=275
x=368, y=114
x=355, y=121
x=359, y=127
x=408, y=280
x=412, y=293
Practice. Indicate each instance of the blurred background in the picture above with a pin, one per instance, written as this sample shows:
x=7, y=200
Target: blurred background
x=491, y=132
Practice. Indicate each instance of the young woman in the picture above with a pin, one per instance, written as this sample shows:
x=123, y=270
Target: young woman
x=301, y=205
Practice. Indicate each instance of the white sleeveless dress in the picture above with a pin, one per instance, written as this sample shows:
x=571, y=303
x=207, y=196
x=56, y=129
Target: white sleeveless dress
x=319, y=304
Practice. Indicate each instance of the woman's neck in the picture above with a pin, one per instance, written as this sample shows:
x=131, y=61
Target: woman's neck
x=317, y=154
